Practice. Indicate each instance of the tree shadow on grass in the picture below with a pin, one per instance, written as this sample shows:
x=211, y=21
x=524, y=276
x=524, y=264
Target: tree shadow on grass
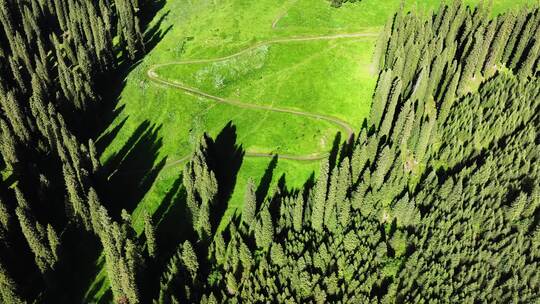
x=225, y=158
x=78, y=251
x=111, y=86
x=173, y=223
x=132, y=171
x=126, y=178
x=105, y=140
x=129, y=174
x=154, y=35
x=172, y=227
x=266, y=180
x=333, y=155
x=170, y=213
x=96, y=285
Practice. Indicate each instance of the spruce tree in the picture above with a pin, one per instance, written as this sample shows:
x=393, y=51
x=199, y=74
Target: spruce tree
x=318, y=198
x=8, y=288
x=150, y=233
x=43, y=256
x=8, y=145
x=250, y=204
x=54, y=241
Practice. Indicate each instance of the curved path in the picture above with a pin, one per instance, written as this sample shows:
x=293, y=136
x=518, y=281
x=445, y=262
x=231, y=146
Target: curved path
x=283, y=13
x=154, y=76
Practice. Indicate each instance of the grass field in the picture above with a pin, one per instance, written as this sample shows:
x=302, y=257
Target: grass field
x=331, y=77
x=158, y=125
x=320, y=76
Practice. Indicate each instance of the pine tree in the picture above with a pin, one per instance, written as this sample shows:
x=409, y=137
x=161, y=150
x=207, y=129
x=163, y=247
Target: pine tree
x=298, y=213
x=8, y=145
x=277, y=255
x=76, y=196
x=487, y=42
x=150, y=233
x=424, y=139
x=203, y=225
x=390, y=111
x=93, y=156
x=384, y=163
x=472, y=59
x=319, y=198
x=54, y=241
x=112, y=257
x=265, y=234
x=8, y=288
x=527, y=68
x=380, y=98
x=330, y=217
x=250, y=204
x=5, y=217
x=512, y=38
x=499, y=43
x=449, y=97
x=129, y=279
x=189, y=257
x=15, y=115
x=43, y=256
x=94, y=208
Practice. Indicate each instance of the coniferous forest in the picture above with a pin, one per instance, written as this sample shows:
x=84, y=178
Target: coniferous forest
x=435, y=199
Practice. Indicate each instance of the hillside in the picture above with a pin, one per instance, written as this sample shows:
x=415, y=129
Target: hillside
x=290, y=151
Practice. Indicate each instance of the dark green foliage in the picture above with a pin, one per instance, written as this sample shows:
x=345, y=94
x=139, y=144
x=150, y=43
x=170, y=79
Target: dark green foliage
x=122, y=257
x=150, y=233
x=8, y=289
x=54, y=56
x=250, y=204
x=436, y=200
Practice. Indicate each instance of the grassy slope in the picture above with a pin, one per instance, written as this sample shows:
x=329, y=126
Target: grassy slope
x=331, y=77
x=292, y=74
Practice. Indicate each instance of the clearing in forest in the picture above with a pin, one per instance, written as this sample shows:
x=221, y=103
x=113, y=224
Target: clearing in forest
x=295, y=82
x=289, y=74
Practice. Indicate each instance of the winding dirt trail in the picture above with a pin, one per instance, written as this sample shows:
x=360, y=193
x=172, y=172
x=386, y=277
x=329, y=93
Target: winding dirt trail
x=343, y=125
x=283, y=13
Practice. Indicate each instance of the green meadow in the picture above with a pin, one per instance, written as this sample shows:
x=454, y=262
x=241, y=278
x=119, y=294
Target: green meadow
x=250, y=54
x=331, y=77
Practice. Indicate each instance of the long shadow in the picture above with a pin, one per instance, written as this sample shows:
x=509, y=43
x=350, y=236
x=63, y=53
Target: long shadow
x=79, y=251
x=169, y=234
x=112, y=85
x=128, y=175
x=115, y=160
x=132, y=171
x=150, y=8
x=264, y=185
x=225, y=159
x=105, y=140
x=173, y=210
x=276, y=197
x=333, y=157
x=154, y=35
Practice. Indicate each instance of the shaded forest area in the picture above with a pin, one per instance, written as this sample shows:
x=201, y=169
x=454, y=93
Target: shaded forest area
x=436, y=199
x=58, y=60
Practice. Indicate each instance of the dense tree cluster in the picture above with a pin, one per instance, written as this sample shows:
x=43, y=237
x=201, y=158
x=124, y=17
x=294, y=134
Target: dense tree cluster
x=437, y=199
x=53, y=56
